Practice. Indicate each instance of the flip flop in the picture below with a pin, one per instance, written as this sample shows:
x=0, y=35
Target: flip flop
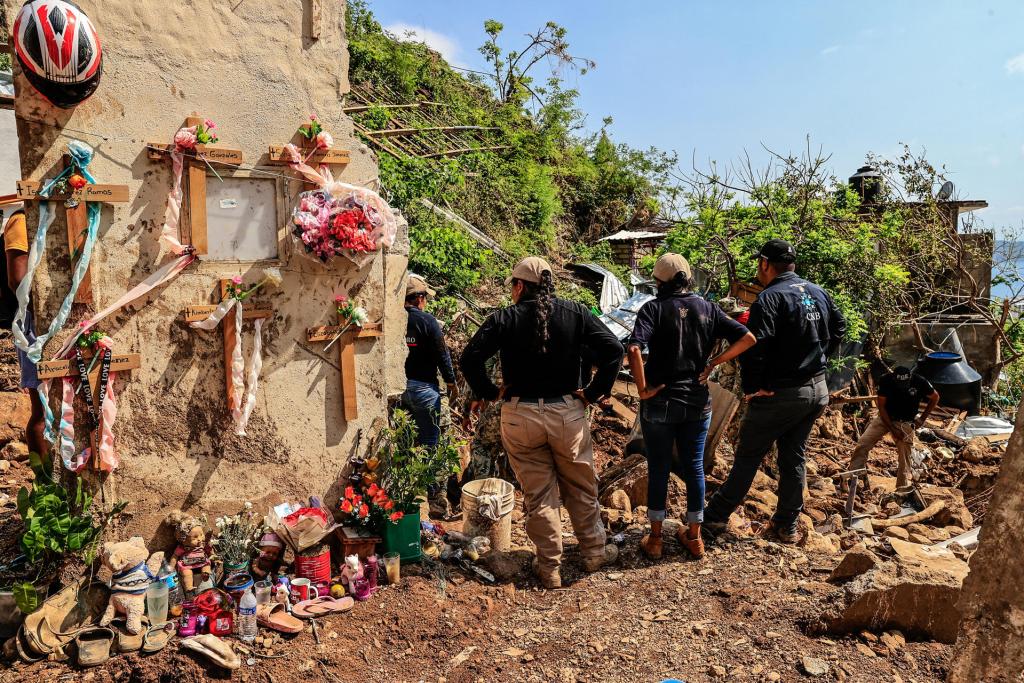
x=157, y=638
x=273, y=616
x=320, y=607
x=94, y=645
x=214, y=649
x=126, y=641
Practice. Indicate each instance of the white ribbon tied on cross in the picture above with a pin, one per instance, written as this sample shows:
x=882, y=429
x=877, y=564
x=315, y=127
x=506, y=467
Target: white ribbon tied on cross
x=241, y=408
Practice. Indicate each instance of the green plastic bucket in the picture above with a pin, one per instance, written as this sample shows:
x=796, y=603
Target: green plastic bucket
x=404, y=537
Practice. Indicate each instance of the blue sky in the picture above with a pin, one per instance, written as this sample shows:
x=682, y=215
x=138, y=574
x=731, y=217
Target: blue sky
x=712, y=79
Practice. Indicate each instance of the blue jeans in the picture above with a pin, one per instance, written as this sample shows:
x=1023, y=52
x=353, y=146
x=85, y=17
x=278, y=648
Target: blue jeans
x=29, y=371
x=423, y=401
x=668, y=424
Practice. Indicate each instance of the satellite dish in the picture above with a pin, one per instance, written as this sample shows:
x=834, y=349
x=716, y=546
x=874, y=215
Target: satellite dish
x=946, y=191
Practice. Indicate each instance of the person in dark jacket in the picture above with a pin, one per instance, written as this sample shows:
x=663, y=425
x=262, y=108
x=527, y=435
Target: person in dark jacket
x=797, y=327
x=679, y=330
x=544, y=428
x=428, y=355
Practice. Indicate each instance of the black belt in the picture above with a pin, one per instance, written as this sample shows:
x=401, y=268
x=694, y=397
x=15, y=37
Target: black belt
x=533, y=400
x=798, y=382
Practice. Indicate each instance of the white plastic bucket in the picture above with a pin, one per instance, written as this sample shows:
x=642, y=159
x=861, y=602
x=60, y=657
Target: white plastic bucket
x=474, y=524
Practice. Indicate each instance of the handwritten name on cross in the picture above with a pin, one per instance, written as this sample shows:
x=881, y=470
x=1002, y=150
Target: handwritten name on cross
x=251, y=311
x=332, y=156
x=53, y=369
x=77, y=216
x=346, y=357
x=193, y=229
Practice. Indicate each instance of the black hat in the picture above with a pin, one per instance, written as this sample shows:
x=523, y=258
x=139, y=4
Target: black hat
x=777, y=250
x=901, y=373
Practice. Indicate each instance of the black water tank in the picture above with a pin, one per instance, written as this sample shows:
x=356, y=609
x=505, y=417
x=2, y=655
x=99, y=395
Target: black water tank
x=958, y=384
x=867, y=182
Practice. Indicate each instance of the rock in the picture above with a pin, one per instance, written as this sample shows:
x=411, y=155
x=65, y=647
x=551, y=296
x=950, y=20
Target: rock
x=937, y=535
x=618, y=500
x=893, y=640
x=955, y=512
x=508, y=566
x=15, y=409
x=765, y=496
x=14, y=450
x=977, y=449
x=717, y=671
x=858, y=560
x=919, y=538
x=773, y=676
x=869, y=637
x=814, y=667
x=762, y=481
x=5, y=466
x=919, y=529
x=835, y=524
x=954, y=530
x=757, y=510
x=916, y=592
x=817, y=515
x=897, y=532
x=831, y=425
x=865, y=650
x=814, y=542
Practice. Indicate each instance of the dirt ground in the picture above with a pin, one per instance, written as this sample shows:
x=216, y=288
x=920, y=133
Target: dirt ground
x=744, y=613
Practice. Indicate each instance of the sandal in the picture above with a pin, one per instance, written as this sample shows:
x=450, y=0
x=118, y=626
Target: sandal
x=214, y=649
x=651, y=547
x=94, y=645
x=274, y=616
x=694, y=545
x=320, y=607
x=157, y=638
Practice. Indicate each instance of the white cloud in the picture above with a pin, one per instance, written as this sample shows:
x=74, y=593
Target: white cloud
x=443, y=44
x=1015, y=65
x=830, y=49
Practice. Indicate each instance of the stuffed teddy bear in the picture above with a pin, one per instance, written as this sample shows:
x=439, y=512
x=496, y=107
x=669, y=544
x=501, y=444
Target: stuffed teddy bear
x=132, y=569
x=193, y=552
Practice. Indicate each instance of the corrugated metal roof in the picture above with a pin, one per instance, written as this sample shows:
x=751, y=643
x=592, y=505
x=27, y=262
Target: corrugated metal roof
x=629, y=235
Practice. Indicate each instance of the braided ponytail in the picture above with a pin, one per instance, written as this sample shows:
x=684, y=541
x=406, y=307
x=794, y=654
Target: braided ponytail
x=545, y=304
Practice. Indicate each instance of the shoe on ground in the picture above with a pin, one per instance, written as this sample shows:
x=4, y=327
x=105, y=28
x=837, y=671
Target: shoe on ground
x=713, y=529
x=551, y=579
x=789, y=536
x=695, y=546
x=651, y=547
x=592, y=564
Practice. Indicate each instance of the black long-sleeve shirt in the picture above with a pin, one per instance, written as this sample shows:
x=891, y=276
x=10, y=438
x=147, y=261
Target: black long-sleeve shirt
x=427, y=351
x=797, y=328
x=531, y=375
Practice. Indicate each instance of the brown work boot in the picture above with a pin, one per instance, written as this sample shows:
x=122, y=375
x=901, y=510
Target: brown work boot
x=787, y=536
x=651, y=545
x=549, y=578
x=694, y=544
x=592, y=564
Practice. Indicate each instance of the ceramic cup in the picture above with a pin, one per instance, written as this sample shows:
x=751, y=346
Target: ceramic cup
x=303, y=589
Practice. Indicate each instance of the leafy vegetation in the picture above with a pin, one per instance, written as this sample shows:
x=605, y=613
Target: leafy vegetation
x=410, y=469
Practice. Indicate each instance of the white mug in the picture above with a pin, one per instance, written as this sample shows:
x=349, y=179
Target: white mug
x=302, y=590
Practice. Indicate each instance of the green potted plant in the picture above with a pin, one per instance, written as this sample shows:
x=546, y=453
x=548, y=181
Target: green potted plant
x=59, y=527
x=407, y=471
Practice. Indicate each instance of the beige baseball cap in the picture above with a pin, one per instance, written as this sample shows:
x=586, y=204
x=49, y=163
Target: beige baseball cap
x=417, y=285
x=669, y=264
x=529, y=270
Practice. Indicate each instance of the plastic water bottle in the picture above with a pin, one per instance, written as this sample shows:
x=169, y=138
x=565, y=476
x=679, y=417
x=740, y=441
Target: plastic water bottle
x=156, y=602
x=247, y=616
x=175, y=596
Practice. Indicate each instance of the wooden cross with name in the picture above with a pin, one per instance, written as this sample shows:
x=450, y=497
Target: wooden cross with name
x=346, y=357
x=251, y=311
x=193, y=229
x=77, y=216
x=52, y=369
x=331, y=156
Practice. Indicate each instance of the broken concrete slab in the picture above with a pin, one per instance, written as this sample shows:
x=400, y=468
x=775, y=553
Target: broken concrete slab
x=916, y=592
x=858, y=560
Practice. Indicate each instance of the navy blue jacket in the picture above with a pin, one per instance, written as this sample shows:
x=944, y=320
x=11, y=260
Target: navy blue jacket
x=427, y=351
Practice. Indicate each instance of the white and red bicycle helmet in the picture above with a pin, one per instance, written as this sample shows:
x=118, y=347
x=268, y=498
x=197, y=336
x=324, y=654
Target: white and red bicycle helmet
x=59, y=50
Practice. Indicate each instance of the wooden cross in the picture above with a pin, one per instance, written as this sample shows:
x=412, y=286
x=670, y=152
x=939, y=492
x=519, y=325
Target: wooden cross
x=77, y=217
x=52, y=369
x=346, y=357
x=250, y=312
x=332, y=156
x=193, y=231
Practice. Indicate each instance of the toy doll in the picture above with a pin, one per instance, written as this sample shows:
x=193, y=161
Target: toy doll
x=271, y=548
x=193, y=553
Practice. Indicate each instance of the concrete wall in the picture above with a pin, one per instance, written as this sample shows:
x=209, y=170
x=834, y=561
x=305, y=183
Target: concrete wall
x=990, y=646
x=250, y=67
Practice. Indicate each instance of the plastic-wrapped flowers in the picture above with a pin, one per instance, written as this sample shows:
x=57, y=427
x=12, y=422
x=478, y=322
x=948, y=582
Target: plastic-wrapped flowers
x=330, y=226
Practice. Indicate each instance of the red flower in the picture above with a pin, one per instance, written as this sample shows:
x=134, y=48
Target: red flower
x=389, y=505
x=346, y=506
x=395, y=516
x=363, y=511
x=349, y=492
x=372, y=491
x=77, y=181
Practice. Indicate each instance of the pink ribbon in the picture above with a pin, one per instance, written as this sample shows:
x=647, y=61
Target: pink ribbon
x=170, y=234
x=77, y=461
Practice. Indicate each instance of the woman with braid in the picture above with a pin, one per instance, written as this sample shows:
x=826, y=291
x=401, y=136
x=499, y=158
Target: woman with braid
x=544, y=428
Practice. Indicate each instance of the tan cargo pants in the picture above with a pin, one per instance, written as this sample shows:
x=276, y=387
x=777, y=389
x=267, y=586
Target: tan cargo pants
x=875, y=432
x=550, y=450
